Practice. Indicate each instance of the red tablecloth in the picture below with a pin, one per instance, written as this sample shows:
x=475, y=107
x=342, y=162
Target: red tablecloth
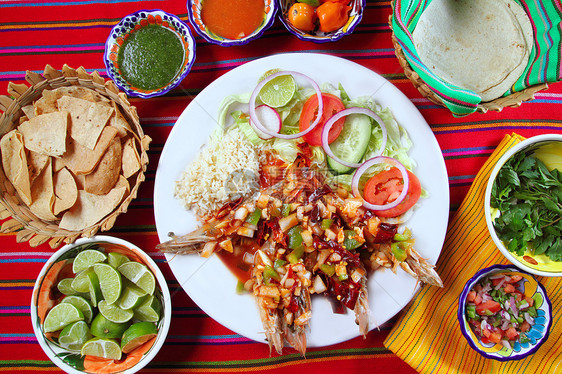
x=36, y=33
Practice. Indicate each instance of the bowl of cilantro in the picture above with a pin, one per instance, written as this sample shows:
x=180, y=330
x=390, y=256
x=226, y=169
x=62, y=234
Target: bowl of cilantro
x=523, y=205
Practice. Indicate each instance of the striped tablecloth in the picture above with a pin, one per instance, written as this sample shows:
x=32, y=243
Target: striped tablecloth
x=34, y=33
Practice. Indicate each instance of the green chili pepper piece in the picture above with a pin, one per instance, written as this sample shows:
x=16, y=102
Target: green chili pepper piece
x=240, y=287
x=254, y=217
x=406, y=235
x=329, y=270
x=286, y=210
x=295, y=237
x=349, y=241
x=326, y=223
x=532, y=311
x=279, y=263
x=471, y=311
x=343, y=277
x=398, y=251
x=295, y=255
x=271, y=273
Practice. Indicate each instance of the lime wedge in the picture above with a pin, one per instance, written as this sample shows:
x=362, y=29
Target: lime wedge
x=131, y=296
x=104, y=328
x=278, y=91
x=140, y=275
x=149, y=310
x=87, y=258
x=138, y=334
x=116, y=259
x=74, y=336
x=61, y=316
x=82, y=305
x=110, y=282
x=104, y=348
x=65, y=287
x=94, y=287
x=81, y=282
x=113, y=313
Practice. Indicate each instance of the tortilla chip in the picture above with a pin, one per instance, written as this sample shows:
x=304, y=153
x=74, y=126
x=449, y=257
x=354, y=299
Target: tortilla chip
x=58, y=163
x=36, y=162
x=80, y=93
x=106, y=174
x=22, y=119
x=90, y=209
x=80, y=181
x=81, y=160
x=131, y=162
x=118, y=121
x=29, y=110
x=46, y=133
x=65, y=189
x=47, y=103
x=87, y=119
x=14, y=162
x=43, y=195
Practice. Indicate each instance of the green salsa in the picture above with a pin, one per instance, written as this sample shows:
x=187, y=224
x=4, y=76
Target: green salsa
x=151, y=57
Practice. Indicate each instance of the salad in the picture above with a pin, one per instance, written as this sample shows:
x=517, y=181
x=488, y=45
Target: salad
x=498, y=312
x=356, y=143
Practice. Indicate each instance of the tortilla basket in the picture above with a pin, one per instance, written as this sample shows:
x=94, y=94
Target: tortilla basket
x=28, y=226
x=513, y=100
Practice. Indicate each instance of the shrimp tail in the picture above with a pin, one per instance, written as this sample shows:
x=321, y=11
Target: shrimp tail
x=272, y=324
x=361, y=308
x=422, y=270
x=295, y=334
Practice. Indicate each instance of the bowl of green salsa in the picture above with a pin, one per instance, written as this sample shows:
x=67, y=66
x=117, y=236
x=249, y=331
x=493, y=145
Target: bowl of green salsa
x=149, y=52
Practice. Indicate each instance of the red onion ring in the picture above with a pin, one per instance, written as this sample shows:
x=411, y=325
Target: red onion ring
x=379, y=160
x=257, y=90
x=354, y=110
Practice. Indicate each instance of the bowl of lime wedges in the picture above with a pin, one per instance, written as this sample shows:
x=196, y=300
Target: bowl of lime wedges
x=100, y=304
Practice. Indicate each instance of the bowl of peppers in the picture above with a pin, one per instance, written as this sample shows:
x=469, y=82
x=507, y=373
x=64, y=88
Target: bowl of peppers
x=321, y=21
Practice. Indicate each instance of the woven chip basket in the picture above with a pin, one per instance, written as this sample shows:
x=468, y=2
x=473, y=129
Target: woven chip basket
x=28, y=226
x=514, y=100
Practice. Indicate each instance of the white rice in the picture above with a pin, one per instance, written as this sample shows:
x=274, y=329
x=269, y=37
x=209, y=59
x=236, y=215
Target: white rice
x=202, y=185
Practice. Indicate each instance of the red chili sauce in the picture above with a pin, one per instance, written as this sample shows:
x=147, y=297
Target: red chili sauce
x=233, y=19
x=235, y=261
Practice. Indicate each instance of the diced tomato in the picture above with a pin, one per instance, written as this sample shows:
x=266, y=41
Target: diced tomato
x=529, y=300
x=515, y=278
x=495, y=337
x=518, y=295
x=525, y=326
x=511, y=333
x=471, y=296
x=509, y=288
x=386, y=186
x=478, y=300
x=486, y=333
x=484, y=340
x=488, y=308
x=496, y=281
x=478, y=287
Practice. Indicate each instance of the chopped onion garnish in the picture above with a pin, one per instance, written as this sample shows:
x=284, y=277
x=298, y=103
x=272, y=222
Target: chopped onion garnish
x=530, y=320
x=354, y=110
x=256, y=121
x=380, y=160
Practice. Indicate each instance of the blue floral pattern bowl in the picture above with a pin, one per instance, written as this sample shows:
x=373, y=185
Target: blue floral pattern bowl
x=129, y=24
x=538, y=333
x=194, y=9
x=355, y=16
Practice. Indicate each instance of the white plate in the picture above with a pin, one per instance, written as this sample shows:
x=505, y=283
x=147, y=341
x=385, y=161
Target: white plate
x=211, y=285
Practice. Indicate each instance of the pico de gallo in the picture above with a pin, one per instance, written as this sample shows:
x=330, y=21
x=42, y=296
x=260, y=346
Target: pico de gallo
x=498, y=312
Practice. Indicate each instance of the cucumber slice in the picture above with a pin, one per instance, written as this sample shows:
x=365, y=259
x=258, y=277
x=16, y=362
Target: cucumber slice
x=352, y=143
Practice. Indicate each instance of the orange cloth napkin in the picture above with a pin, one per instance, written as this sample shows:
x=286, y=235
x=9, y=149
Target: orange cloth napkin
x=427, y=335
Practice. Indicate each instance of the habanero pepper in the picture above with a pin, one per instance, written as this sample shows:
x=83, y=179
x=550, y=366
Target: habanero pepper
x=332, y=15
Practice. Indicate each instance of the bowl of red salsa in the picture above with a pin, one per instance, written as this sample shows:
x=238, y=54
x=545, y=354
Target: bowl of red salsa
x=149, y=52
x=321, y=21
x=504, y=313
x=233, y=22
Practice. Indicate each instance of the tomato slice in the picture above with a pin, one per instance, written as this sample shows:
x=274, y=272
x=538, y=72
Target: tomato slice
x=331, y=105
x=386, y=186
